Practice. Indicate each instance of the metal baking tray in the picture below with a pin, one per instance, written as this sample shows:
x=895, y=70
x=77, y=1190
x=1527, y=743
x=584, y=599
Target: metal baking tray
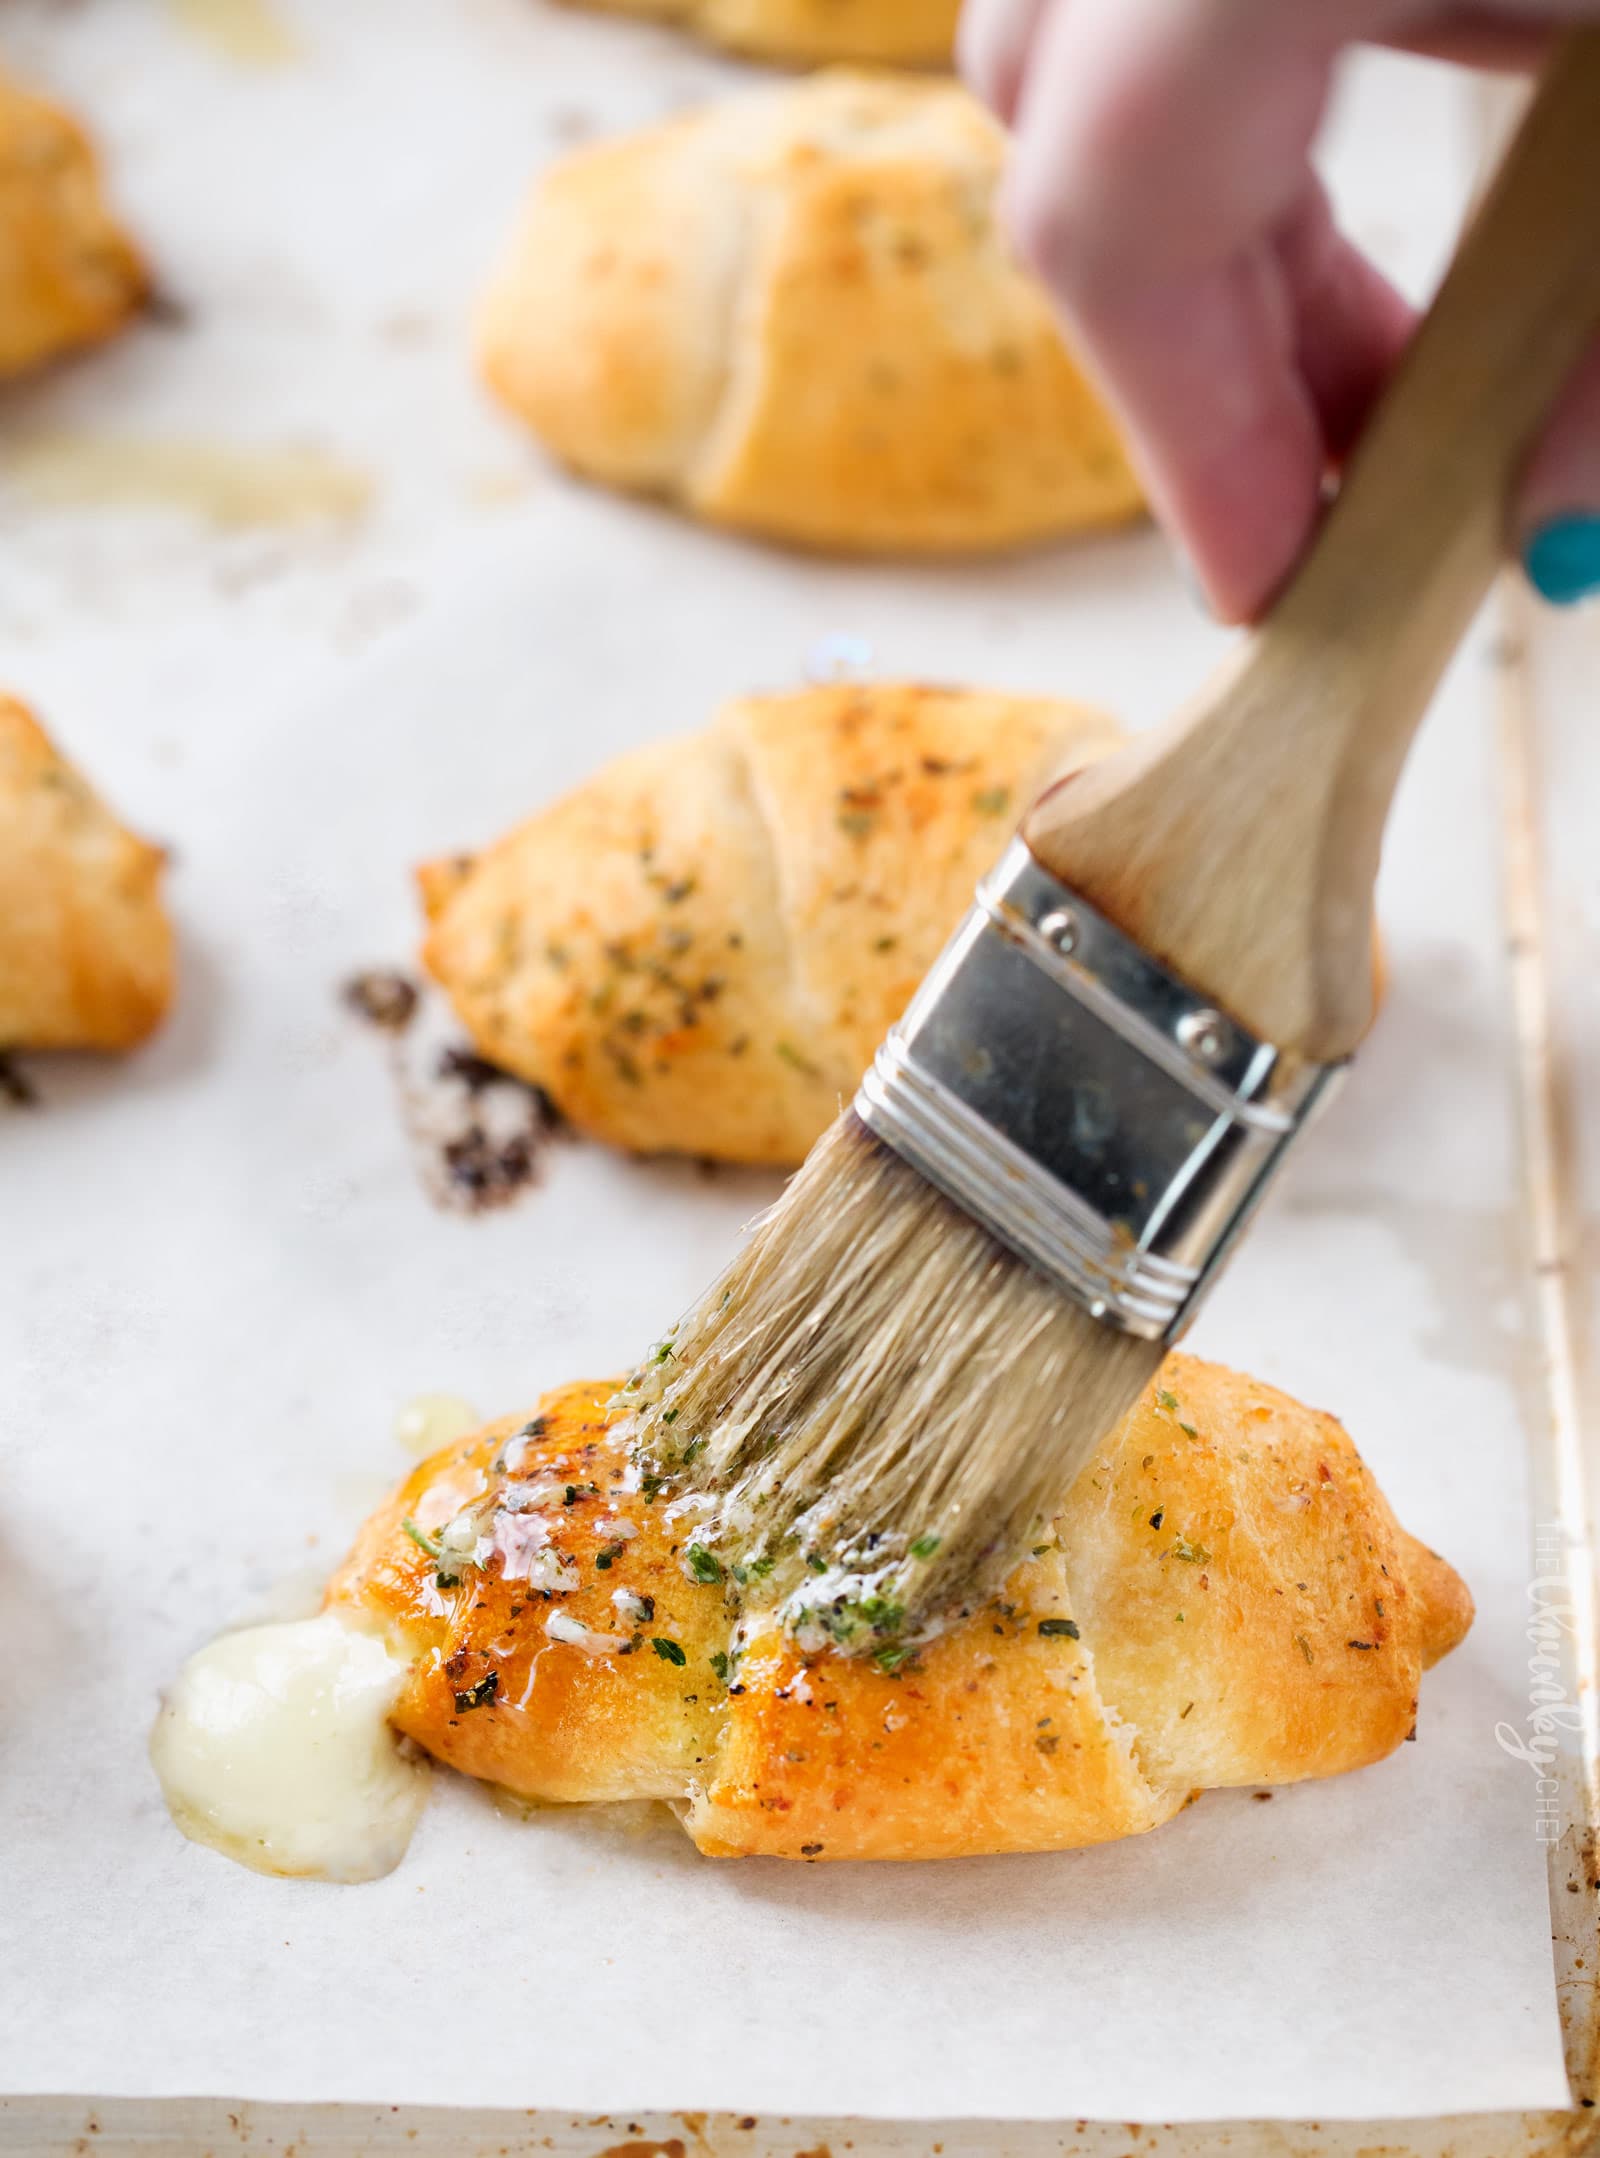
x=1548, y=670
x=1550, y=767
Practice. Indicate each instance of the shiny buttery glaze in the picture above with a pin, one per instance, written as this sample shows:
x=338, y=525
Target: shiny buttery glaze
x=1243, y=1608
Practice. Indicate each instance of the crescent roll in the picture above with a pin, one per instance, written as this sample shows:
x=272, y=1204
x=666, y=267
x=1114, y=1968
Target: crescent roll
x=86, y=951
x=1225, y=1599
x=794, y=312
x=701, y=947
x=904, y=33
x=69, y=274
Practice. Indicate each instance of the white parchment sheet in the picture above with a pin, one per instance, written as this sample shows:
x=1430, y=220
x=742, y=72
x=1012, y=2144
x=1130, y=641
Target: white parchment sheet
x=219, y=1277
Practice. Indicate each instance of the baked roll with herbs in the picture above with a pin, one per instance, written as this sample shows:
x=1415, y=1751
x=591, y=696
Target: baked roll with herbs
x=699, y=949
x=69, y=274
x=794, y=312
x=86, y=950
x=903, y=33
x=1225, y=1599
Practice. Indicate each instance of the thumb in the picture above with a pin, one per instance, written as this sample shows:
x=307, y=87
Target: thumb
x=1558, y=509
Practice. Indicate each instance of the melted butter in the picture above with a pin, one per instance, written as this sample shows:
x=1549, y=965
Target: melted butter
x=223, y=482
x=274, y=1747
x=431, y=1421
x=247, y=31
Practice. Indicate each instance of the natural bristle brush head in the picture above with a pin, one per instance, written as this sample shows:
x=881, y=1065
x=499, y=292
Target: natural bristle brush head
x=864, y=1418
x=878, y=1409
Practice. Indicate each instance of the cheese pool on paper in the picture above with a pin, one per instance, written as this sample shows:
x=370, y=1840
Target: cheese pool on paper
x=274, y=1747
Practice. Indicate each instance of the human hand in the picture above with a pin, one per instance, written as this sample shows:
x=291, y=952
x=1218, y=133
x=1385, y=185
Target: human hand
x=1161, y=185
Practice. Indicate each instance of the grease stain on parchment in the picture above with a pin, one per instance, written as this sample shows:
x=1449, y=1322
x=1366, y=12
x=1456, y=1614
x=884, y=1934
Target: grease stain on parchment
x=1466, y=1255
x=248, y=32
x=225, y=483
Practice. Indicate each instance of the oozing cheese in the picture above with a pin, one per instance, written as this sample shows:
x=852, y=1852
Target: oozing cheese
x=274, y=1747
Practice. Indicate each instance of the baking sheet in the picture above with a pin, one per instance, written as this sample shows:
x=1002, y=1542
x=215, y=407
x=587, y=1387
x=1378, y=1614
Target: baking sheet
x=221, y=1278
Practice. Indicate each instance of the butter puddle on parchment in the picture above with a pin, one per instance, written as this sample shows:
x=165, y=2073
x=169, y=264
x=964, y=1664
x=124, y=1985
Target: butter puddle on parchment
x=228, y=484
x=431, y=1421
x=247, y=31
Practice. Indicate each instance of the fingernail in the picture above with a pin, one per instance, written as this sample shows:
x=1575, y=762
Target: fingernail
x=1563, y=560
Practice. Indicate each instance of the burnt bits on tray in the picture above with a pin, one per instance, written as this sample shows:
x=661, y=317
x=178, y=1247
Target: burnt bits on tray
x=17, y=1090
x=478, y=1134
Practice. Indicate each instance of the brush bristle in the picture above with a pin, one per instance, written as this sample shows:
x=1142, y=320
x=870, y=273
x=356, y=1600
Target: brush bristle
x=877, y=1406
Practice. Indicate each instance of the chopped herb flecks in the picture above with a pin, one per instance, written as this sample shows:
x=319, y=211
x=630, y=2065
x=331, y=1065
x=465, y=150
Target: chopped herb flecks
x=448, y=1563
x=427, y=1543
x=792, y=1056
x=668, y=1651
x=478, y=1696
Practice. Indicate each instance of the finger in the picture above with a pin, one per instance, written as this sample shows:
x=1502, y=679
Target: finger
x=1160, y=138
x=1509, y=37
x=1158, y=154
x=1160, y=185
x=1219, y=420
x=1558, y=510
x=993, y=39
x=1496, y=48
x=1351, y=323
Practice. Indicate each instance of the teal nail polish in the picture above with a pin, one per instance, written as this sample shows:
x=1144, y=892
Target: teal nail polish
x=1563, y=560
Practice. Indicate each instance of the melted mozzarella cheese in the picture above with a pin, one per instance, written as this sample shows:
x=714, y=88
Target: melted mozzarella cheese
x=274, y=1747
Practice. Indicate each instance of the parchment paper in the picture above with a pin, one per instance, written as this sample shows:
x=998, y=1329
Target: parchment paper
x=219, y=1278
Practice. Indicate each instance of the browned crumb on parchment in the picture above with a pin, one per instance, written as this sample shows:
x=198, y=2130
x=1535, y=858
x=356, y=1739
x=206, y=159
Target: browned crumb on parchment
x=17, y=1090
x=383, y=998
x=479, y=1135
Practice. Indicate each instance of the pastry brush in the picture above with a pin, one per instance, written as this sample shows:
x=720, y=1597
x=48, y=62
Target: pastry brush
x=979, y=1267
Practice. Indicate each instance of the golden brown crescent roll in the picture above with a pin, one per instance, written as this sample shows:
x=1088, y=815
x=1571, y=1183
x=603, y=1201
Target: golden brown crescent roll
x=1225, y=1599
x=794, y=312
x=905, y=33
x=69, y=274
x=85, y=948
x=700, y=948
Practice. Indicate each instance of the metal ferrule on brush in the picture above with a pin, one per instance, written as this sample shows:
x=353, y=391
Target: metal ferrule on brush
x=1094, y=1113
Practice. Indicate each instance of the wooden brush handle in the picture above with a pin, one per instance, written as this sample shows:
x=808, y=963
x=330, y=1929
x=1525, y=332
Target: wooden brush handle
x=1240, y=843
